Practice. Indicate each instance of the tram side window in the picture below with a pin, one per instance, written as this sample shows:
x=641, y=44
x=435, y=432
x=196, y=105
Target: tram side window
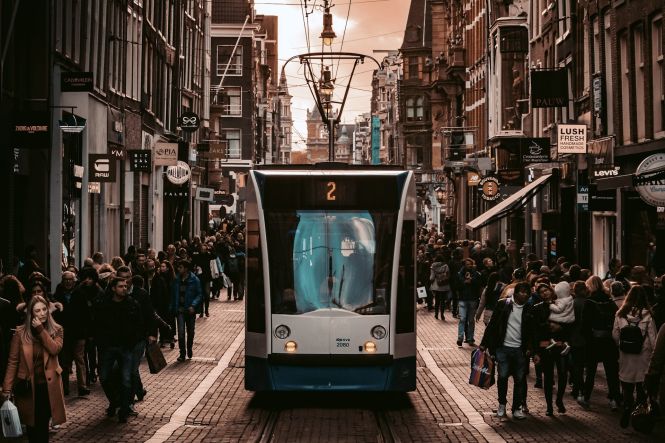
x=405, y=315
x=255, y=297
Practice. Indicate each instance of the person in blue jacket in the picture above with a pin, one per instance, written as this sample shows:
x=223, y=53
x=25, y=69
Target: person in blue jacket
x=186, y=296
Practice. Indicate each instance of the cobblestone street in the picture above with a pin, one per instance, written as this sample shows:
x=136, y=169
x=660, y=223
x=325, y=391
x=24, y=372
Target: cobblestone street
x=205, y=400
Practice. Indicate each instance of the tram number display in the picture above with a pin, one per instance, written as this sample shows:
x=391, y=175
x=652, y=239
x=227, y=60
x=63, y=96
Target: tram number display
x=343, y=342
x=330, y=195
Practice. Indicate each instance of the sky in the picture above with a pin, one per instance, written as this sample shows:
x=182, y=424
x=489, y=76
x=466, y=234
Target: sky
x=371, y=25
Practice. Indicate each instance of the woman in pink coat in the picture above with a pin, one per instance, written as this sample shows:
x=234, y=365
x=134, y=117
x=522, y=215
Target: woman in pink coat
x=633, y=358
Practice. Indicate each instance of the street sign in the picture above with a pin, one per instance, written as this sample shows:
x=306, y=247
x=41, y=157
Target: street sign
x=140, y=160
x=166, y=154
x=651, y=187
x=571, y=139
x=101, y=168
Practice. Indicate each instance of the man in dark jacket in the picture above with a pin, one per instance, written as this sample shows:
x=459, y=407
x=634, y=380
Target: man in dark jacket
x=186, y=296
x=469, y=295
x=507, y=337
x=118, y=328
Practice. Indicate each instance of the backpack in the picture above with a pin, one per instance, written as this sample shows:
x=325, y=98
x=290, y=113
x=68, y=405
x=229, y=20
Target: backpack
x=603, y=322
x=442, y=276
x=631, y=338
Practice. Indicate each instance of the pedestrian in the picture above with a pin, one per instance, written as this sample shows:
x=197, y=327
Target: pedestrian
x=617, y=292
x=185, y=301
x=118, y=329
x=507, y=339
x=635, y=333
x=160, y=295
x=469, y=296
x=232, y=270
x=440, y=284
x=202, y=261
x=598, y=316
x=33, y=372
x=578, y=341
x=655, y=378
x=489, y=297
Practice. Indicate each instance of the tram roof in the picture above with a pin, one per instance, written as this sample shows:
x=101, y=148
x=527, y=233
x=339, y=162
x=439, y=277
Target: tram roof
x=328, y=166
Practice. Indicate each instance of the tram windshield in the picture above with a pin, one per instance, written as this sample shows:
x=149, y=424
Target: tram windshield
x=331, y=259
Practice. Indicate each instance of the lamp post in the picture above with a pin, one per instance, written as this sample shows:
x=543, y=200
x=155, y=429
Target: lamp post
x=327, y=35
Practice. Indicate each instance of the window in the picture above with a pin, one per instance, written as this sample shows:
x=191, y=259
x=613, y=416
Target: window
x=227, y=56
x=658, y=75
x=513, y=48
x=607, y=81
x=564, y=16
x=231, y=100
x=232, y=137
x=595, y=28
x=624, y=72
x=638, y=41
x=415, y=108
x=414, y=67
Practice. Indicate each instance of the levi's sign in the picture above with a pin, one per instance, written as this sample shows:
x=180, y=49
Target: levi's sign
x=571, y=139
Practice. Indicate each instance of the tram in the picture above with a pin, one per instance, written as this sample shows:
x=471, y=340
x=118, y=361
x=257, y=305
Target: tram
x=330, y=302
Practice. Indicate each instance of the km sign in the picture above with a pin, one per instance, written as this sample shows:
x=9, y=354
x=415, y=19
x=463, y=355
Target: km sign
x=101, y=168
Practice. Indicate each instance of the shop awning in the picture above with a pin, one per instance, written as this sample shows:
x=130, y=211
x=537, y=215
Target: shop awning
x=509, y=205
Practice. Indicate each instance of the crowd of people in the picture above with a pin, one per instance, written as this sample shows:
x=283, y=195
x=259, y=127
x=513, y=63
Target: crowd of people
x=558, y=315
x=99, y=319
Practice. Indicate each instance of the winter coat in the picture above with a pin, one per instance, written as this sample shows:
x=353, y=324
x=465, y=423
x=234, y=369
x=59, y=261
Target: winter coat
x=577, y=338
x=656, y=373
x=469, y=285
x=438, y=270
x=633, y=367
x=193, y=293
x=21, y=367
x=562, y=309
x=495, y=333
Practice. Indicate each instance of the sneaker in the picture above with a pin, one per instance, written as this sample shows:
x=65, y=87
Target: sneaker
x=501, y=411
x=518, y=414
x=614, y=406
x=459, y=343
x=141, y=395
x=580, y=398
x=132, y=412
x=585, y=404
x=181, y=358
x=207, y=315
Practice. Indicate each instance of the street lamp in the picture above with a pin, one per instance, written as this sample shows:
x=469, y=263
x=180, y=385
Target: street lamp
x=439, y=194
x=327, y=35
x=326, y=86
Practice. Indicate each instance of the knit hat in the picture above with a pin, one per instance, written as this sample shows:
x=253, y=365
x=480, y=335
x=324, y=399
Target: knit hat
x=562, y=289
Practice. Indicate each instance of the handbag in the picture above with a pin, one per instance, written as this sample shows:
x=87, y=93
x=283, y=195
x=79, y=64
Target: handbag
x=11, y=423
x=422, y=292
x=226, y=280
x=644, y=417
x=482, y=369
x=156, y=360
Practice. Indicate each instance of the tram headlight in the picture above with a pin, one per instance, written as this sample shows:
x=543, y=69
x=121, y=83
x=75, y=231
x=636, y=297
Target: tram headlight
x=378, y=332
x=282, y=332
x=290, y=346
x=370, y=347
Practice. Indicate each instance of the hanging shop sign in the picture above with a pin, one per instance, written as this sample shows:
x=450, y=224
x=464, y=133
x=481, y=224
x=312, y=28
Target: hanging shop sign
x=222, y=198
x=116, y=150
x=597, y=85
x=651, y=187
x=76, y=82
x=166, y=154
x=571, y=139
x=549, y=88
x=600, y=158
x=30, y=130
x=101, y=168
x=179, y=174
x=140, y=160
x=94, y=188
x=473, y=178
x=583, y=197
x=189, y=122
x=535, y=150
x=602, y=200
x=489, y=188
x=205, y=194
x=218, y=150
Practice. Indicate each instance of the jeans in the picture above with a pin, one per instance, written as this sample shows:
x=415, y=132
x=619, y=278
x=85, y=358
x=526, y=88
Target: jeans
x=549, y=358
x=186, y=321
x=124, y=357
x=602, y=350
x=39, y=432
x=510, y=362
x=73, y=350
x=137, y=384
x=467, y=321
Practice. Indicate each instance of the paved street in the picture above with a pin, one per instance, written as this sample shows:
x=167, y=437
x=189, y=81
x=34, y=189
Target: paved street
x=204, y=400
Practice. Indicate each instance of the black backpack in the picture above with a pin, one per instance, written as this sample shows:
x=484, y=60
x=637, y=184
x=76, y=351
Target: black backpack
x=631, y=338
x=603, y=322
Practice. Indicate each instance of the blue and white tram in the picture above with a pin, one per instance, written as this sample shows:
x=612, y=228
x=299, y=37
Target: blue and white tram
x=330, y=299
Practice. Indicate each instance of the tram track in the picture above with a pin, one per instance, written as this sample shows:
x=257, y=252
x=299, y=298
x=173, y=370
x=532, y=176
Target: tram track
x=268, y=429
x=387, y=432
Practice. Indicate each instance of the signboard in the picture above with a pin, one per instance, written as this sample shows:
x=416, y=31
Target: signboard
x=597, y=85
x=489, y=188
x=205, y=194
x=376, y=140
x=549, y=88
x=189, y=122
x=20, y=164
x=77, y=82
x=601, y=158
x=31, y=130
x=536, y=150
x=166, y=154
x=101, y=168
x=571, y=139
x=583, y=197
x=178, y=174
x=94, y=188
x=473, y=178
x=140, y=160
x=116, y=150
x=222, y=198
x=217, y=150
x=651, y=187
x=602, y=200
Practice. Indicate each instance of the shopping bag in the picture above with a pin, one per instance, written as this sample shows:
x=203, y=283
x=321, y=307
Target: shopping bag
x=156, y=360
x=226, y=280
x=482, y=369
x=422, y=292
x=11, y=423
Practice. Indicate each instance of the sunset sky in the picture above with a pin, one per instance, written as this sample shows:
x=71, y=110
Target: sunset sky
x=372, y=25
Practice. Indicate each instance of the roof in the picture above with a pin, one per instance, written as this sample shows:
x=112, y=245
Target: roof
x=418, y=33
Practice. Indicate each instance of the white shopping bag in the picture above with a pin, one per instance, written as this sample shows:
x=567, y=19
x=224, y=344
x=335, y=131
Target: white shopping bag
x=11, y=424
x=422, y=292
